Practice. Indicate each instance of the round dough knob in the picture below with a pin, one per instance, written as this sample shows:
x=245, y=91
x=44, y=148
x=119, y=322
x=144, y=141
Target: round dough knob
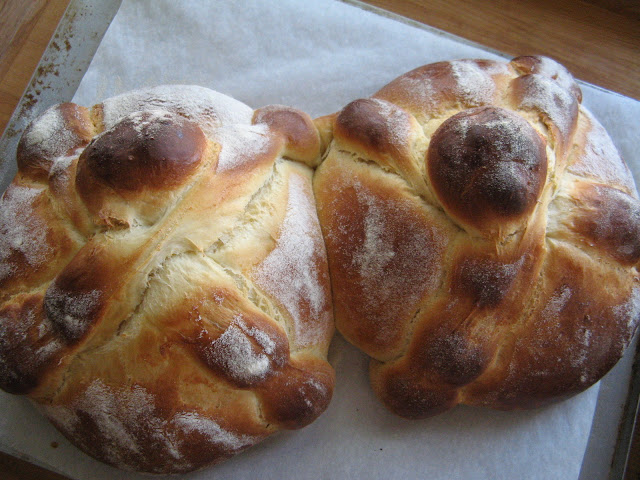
x=129, y=173
x=488, y=167
x=154, y=149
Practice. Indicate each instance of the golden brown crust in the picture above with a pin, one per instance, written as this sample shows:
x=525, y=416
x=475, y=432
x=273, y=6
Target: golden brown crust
x=147, y=150
x=32, y=242
x=164, y=289
x=524, y=288
x=325, y=130
x=301, y=136
x=609, y=220
x=528, y=64
x=60, y=130
x=364, y=123
x=393, y=247
x=557, y=107
x=487, y=166
x=431, y=90
x=140, y=160
x=574, y=335
x=298, y=393
x=22, y=343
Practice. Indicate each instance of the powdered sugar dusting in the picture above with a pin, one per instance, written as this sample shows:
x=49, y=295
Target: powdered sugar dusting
x=557, y=302
x=240, y=144
x=264, y=340
x=47, y=350
x=310, y=390
x=376, y=252
x=234, y=351
x=396, y=118
x=21, y=229
x=496, y=68
x=510, y=134
x=143, y=121
x=489, y=279
x=629, y=311
x=193, y=422
x=545, y=95
x=72, y=312
x=60, y=166
x=419, y=89
x=601, y=159
x=28, y=333
x=490, y=149
x=50, y=135
x=461, y=127
x=554, y=347
x=552, y=69
x=16, y=329
x=397, y=261
x=426, y=88
x=103, y=404
x=208, y=108
x=512, y=129
x=380, y=248
x=128, y=423
x=116, y=414
x=289, y=272
x=474, y=85
x=579, y=352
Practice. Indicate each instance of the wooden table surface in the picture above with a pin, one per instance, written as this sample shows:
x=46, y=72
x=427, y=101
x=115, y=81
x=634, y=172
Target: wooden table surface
x=598, y=40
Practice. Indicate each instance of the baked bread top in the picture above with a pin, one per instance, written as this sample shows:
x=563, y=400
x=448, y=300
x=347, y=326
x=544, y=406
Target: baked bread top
x=164, y=292
x=483, y=236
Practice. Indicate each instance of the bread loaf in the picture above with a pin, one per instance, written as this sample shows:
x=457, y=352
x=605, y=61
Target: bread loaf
x=483, y=236
x=164, y=292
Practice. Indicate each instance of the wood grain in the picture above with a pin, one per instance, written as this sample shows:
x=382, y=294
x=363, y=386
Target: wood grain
x=25, y=30
x=12, y=468
x=598, y=40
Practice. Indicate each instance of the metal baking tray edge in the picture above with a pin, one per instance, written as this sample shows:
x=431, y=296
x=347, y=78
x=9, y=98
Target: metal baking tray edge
x=59, y=72
x=56, y=80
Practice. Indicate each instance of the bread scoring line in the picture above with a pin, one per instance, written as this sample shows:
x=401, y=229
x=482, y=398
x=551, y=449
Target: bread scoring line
x=166, y=237
x=151, y=245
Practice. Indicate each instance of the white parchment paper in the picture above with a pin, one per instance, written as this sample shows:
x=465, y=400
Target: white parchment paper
x=318, y=56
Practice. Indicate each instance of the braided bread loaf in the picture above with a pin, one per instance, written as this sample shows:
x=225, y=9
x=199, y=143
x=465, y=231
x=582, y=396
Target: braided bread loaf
x=483, y=236
x=164, y=293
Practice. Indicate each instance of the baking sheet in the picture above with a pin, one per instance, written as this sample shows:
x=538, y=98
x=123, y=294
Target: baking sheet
x=317, y=57
x=59, y=71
